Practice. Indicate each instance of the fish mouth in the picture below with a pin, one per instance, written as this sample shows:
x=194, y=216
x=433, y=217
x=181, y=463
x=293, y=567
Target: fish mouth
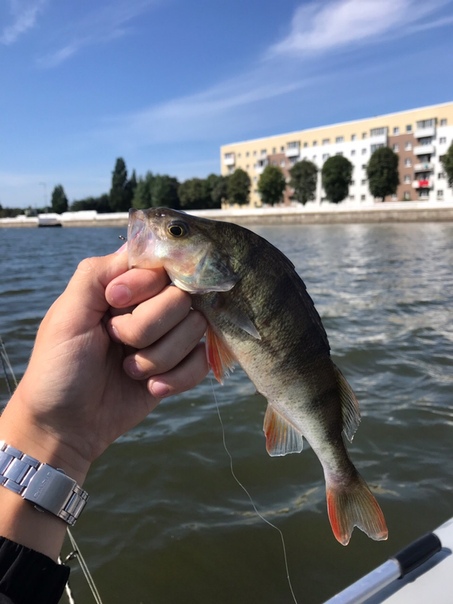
x=141, y=241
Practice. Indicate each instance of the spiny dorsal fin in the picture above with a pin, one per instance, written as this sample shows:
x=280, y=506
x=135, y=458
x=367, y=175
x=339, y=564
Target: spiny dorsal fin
x=349, y=406
x=281, y=437
x=220, y=357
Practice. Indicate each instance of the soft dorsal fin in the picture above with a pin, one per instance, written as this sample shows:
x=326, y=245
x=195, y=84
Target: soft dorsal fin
x=349, y=406
x=281, y=437
x=220, y=357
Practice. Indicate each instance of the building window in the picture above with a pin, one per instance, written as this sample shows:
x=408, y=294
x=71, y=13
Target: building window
x=396, y=148
x=396, y=130
x=408, y=162
x=441, y=175
x=247, y=154
x=305, y=145
x=408, y=146
x=443, y=121
x=339, y=153
x=325, y=156
x=314, y=158
x=363, y=134
x=352, y=183
x=424, y=194
x=378, y=131
x=326, y=141
x=263, y=152
x=353, y=137
x=315, y=143
x=407, y=179
x=440, y=194
x=363, y=151
x=409, y=128
x=362, y=197
x=363, y=181
x=426, y=123
x=352, y=152
x=273, y=150
x=442, y=140
x=254, y=154
x=282, y=163
x=339, y=139
x=376, y=146
x=352, y=197
x=406, y=196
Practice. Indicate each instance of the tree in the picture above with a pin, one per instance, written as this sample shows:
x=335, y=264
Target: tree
x=59, y=200
x=271, y=185
x=336, y=178
x=218, y=187
x=120, y=192
x=382, y=173
x=447, y=163
x=194, y=193
x=304, y=176
x=143, y=192
x=101, y=204
x=239, y=187
x=164, y=191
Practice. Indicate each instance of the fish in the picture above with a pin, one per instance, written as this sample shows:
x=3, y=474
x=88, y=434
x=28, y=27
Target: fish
x=261, y=316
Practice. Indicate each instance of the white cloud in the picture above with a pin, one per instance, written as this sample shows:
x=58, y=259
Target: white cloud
x=329, y=25
x=99, y=26
x=24, y=14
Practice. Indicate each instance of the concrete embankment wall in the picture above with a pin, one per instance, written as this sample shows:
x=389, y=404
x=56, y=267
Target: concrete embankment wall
x=311, y=214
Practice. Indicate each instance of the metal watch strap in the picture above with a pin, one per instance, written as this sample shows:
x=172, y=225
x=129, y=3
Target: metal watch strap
x=47, y=488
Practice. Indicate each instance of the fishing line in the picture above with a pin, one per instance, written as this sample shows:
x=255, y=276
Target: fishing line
x=257, y=512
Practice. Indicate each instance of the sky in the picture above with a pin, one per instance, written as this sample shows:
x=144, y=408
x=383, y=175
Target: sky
x=164, y=83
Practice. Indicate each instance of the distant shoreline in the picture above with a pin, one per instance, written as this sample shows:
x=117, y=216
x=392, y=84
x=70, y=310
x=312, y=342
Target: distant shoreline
x=310, y=214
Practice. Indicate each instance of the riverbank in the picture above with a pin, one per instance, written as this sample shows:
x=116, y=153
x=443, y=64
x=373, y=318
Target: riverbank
x=326, y=213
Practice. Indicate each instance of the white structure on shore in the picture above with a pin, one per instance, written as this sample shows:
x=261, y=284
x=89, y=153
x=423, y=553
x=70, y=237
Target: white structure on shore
x=419, y=136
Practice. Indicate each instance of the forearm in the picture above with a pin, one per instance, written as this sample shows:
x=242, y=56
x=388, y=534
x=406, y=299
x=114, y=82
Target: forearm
x=20, y=521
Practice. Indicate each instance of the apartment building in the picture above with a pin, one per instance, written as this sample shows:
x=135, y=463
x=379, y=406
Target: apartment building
x=420, y=137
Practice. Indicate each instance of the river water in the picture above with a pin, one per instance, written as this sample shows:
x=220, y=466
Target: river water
x=166, y=522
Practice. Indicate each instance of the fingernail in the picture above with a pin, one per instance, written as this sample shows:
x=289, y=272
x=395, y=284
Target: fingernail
x=158, y=389
x=120, y=295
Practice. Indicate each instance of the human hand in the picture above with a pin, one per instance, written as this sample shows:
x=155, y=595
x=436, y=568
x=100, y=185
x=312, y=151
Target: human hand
x=112, y=345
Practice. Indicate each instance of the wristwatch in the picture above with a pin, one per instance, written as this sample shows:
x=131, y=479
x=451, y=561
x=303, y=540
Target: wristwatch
x=47, y=488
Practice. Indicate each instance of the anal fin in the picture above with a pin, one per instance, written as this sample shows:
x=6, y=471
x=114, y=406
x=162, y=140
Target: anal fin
x=281, y=436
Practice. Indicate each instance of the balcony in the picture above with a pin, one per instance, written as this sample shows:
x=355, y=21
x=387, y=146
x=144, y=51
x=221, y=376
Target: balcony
x=422, y=132
x=259, y=167
x=293, y=151
x=422, y=184
x=229, y=159
x=424, y=150
x=424, y=167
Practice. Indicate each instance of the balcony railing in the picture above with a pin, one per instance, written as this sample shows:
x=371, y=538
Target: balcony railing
x=424, y=167
x=259, y=167
x=292, y=151
x=229, y=160
x=424, y=150
x=421, y=132
x=422, y=184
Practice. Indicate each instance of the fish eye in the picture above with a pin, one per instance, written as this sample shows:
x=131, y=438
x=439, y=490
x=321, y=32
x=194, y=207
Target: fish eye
x=177, y=229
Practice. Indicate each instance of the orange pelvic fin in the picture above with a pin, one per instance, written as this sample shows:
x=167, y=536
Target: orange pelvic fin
x=354, y=505
x=220, y=357
x=281, y=437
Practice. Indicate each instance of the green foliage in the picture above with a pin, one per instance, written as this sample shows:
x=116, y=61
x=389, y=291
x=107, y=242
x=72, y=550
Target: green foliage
x=121, y=192
x=304, y=176
x=239, y=187
x=336, y=178
x=143, y=192
x=447, y=163
x=59, y=201
x=382, y=172
x=271, y=185
x=218, y=186
x=101, y=204
x=194, y=193
x=164, y=192
x=9, y=212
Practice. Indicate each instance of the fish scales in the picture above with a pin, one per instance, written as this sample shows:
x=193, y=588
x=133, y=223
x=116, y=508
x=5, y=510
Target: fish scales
x=260, y=315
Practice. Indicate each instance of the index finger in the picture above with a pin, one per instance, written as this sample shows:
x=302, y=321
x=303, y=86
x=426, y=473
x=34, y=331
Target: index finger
x=135, y=286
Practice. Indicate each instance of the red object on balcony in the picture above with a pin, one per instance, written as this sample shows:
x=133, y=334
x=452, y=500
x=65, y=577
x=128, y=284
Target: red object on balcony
x=423, y=183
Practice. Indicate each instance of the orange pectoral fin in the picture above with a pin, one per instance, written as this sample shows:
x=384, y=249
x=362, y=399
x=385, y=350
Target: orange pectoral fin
x=281, y=437
x=220, y=357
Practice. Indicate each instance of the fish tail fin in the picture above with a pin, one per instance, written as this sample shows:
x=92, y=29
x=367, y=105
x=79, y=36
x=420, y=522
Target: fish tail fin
x=351, y=505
